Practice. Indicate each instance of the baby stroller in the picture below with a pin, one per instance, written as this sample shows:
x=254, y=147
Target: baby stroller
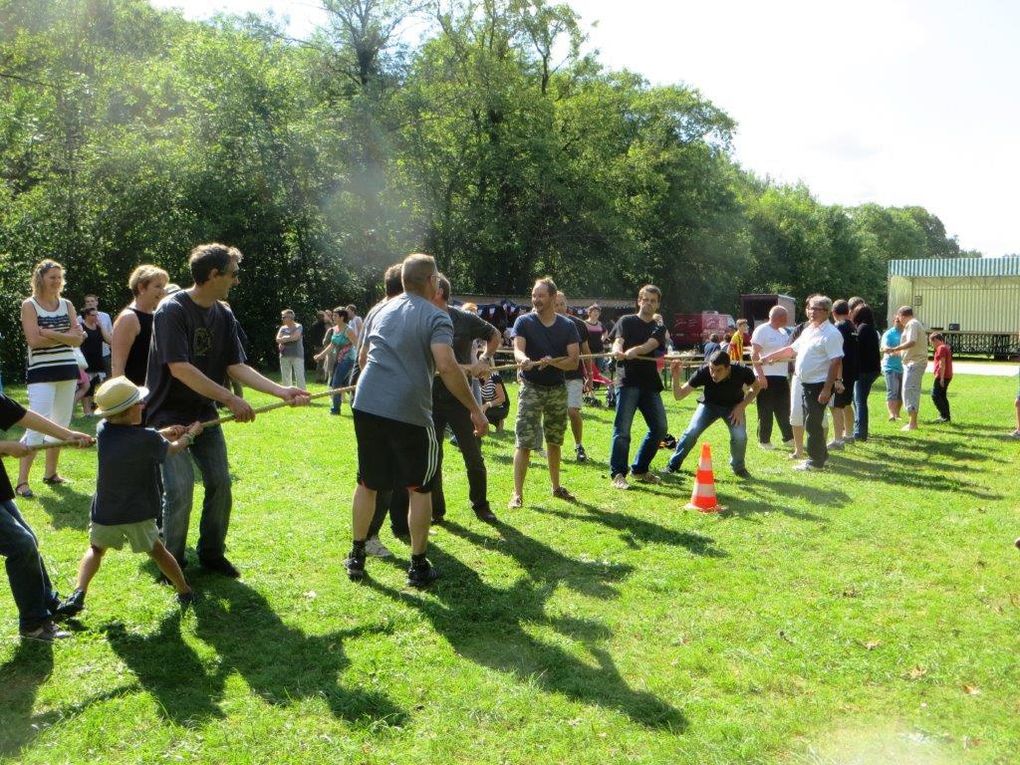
x=598, y=380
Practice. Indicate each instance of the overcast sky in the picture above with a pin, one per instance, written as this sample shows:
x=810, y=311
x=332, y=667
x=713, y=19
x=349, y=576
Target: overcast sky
x=899, y=102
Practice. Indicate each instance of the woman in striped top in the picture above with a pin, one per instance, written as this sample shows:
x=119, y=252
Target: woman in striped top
x=52, y=333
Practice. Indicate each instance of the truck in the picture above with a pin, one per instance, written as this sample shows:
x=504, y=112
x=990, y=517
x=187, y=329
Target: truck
x=690, y=330
x=755, y=308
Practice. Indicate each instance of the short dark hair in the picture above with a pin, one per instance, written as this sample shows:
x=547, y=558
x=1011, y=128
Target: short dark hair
x=863, y=314
x=905, y=310
x=714, y=337
x=206, y=257
x=841, y=308
x=720, y=359
x=443, y=285
x=391, y=280
x=342, y=313
x=549, y=284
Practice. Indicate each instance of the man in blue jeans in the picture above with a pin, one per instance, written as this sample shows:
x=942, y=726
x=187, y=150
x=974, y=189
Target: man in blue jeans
x=729, y=390
x=639, y=388
x=195, y=348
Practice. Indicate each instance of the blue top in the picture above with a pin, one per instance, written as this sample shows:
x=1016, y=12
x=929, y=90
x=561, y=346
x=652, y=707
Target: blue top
x=891, y=339
x=541, y=341
x=128, y=488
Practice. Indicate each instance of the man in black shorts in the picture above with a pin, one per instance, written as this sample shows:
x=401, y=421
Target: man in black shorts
x=409, y=339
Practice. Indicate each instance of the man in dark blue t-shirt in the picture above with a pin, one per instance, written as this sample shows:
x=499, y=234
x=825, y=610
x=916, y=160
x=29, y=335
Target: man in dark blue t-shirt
x=729, y=390
x=545, y=346
x=640, y=388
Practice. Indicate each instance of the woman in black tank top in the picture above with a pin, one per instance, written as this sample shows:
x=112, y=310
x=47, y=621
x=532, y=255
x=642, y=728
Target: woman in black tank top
x=132, y=330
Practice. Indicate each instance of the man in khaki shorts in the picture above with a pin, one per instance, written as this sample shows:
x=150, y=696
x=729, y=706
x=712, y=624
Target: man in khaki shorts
x=545, y=346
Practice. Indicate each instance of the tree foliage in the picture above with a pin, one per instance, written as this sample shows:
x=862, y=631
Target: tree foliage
x=127, y=135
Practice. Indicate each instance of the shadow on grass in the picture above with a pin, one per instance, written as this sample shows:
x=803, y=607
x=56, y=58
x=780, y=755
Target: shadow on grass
x=633, y=530
x=279, y=663
x=486, y=625
x=67, y=508
x=907, y=478
x=20, y=680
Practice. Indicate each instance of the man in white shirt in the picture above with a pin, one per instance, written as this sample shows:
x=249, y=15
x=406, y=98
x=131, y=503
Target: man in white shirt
x=774, y=396
x=819, y=360
x=913, y=350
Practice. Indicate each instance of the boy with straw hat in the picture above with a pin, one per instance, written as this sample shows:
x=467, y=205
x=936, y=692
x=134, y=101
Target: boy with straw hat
x=127, y=498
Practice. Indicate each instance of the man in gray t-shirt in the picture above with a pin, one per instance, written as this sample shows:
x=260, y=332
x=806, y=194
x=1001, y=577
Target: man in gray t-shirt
x=409, y=339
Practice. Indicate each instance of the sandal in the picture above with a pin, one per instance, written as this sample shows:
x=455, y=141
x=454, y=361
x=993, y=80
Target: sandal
x=516, y=502
x=562, y=493
x=27, y=493
x=54, y=480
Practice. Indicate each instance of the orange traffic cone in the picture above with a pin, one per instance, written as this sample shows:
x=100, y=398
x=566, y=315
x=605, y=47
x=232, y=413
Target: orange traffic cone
x=703, y=497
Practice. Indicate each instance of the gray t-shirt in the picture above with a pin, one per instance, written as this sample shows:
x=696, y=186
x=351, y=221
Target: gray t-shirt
x=295, y=350
x=397, y=379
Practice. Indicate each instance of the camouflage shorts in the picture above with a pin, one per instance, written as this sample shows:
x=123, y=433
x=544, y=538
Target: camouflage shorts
x=541, y=408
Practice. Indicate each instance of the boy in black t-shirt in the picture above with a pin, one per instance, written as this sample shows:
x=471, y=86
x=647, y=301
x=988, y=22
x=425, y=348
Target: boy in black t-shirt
x=127, y=498
x=729, y=390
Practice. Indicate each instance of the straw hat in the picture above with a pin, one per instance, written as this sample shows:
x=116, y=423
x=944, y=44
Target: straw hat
x=118, y=394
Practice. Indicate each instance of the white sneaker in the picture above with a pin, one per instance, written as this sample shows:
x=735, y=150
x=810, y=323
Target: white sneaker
x=835, y=444
x=788, y=442
x=766, y=446
x=648, y=477
x=620, y=481
x=1015, y=434
x=376, y=548
x=805, y=465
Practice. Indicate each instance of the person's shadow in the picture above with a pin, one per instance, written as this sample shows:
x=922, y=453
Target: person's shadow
x=488, y=626
x=278, y=662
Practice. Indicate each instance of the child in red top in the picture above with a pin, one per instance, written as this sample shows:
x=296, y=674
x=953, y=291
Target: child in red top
x=943, y=374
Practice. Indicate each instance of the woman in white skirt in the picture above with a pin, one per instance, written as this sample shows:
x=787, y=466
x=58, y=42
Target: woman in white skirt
x=52, y=333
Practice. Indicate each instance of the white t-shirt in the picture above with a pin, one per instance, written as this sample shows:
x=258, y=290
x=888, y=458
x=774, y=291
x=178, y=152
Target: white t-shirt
x=771, y=339
x=919, y=350
x=817, y=347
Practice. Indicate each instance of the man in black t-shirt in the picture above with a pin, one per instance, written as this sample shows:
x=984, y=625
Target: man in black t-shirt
x=729, y=390
x=447, y=410
x=842, y=415
x=640, y=388
x=577, y=380
x=195, y=347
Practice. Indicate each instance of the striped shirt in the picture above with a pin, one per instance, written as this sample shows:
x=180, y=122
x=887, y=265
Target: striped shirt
x=58, y=362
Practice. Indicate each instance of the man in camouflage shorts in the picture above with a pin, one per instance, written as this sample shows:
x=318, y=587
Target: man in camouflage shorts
x=545, y=345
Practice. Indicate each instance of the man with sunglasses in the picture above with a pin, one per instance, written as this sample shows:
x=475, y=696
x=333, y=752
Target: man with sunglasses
x=818, y=354
x=195, y=346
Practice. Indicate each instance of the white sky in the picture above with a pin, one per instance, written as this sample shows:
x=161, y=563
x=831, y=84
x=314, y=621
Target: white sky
x=898, y=102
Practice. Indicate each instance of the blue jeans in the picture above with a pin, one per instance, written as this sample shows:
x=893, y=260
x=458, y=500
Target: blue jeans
x=704, y=416
x=629, y=399
x=210, y=454
x=341, y=377
x=862, y=388
x=30, y=584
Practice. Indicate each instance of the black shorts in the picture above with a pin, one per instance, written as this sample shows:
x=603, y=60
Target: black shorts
x=840, y=400
x=394, y=454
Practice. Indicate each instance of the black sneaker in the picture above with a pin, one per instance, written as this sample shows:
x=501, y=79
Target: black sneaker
x=221, y=566
x=355, y=565
x=582, y=455
x=422, y=576
x=185, y=599
x=72, y=605
x=486, y=515
x=46, y=632
x=741, y=473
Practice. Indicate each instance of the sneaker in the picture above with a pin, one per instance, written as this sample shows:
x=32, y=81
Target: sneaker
x=805, y=465
x=766, y=446
x=355, y=566
x=942, y=419
x=1015, y=434
x=648, y=477
x=580, y=453
x=561, y=492
x=835, y=445
x=741, y=473
x=422, y=576
x=668, y=471
x=72, y=605
x=376, y=548
x=788, y=442
x=849, y=439
x=221, y=566
x=620, y=481
x=185, y=599
x=46, y=632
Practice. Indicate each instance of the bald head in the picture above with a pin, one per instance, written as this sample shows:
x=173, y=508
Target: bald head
x=777, y=317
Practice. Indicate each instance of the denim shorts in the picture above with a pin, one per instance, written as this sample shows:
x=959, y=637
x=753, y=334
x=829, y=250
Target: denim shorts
x=893, y=386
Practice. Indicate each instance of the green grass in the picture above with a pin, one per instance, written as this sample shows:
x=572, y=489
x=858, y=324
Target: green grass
x=869, y=613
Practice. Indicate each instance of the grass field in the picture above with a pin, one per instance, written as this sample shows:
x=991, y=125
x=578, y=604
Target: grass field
x=866, y=614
